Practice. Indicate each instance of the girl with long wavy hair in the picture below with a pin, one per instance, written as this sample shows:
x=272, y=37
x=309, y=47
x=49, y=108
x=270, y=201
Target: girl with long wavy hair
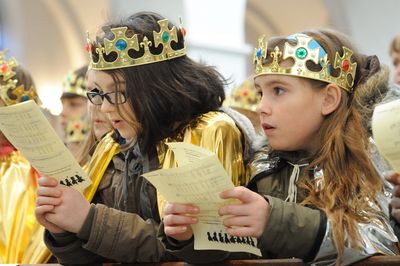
x=315, y=193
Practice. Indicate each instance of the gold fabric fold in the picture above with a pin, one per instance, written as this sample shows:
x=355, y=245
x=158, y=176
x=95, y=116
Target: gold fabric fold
x=21, y=236
x=214, y=131
x=106, y=149
x=18, y=183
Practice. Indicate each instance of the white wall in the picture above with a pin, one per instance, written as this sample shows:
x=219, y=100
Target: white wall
x=213, y=37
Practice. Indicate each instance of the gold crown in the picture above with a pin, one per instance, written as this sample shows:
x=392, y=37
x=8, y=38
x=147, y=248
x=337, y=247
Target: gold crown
x=121, y=44
x=245, y=96
x=306, y=49
x=10, y=92
x=77, y=129
x=75, y=84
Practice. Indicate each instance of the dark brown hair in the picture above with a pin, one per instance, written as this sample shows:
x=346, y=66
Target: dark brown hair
x=167, y=95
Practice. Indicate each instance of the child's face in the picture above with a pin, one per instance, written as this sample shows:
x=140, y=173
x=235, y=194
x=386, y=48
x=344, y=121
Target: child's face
x=75, y=106
x=396, y=65
x=122, y=121
x=100, y=123
x=290, y=112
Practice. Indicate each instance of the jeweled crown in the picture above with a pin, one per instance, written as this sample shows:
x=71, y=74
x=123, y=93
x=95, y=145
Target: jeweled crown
x=121, y=45
x=306, y=49
x=244, y=96
x=10, y=92
x=77, y=129
x=74, y=84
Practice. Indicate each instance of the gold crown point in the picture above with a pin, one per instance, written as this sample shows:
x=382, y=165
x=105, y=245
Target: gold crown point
x=121, y=45
x=9, y=92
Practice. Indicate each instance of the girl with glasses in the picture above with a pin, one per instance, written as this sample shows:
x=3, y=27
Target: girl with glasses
x=152, y=93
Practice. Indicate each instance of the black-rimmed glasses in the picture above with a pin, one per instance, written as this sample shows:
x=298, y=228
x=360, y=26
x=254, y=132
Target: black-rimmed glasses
x=115, y=97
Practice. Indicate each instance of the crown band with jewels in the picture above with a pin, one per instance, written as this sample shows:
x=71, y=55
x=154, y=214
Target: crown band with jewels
x=121, y=44
x=10, y=93
x=306, y=49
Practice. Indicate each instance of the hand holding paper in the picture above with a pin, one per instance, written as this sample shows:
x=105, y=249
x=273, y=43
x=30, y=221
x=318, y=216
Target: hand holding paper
x=199, y=182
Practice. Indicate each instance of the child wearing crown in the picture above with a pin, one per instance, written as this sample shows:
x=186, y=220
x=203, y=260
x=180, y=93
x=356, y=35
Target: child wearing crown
x=316, y=194
x=21, y=238
x=73, y=117
x=152, y=93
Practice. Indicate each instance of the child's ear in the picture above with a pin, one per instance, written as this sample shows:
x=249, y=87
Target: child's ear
x=332, y=97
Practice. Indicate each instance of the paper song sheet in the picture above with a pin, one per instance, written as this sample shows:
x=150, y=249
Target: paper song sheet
x=187, y=153
x=28, y=130
x=386, y=131
x=199, y=182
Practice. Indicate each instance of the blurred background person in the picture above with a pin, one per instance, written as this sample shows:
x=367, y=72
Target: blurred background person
x=21, y=237
x=73, y=117
x=395, y=56
x=244, y=99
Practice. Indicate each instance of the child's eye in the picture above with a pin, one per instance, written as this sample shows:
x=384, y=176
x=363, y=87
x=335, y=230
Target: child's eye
x=279, y=90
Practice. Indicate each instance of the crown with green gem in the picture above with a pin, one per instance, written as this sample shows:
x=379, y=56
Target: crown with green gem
x=10, y=92
x=306, y=49
x=121, y=45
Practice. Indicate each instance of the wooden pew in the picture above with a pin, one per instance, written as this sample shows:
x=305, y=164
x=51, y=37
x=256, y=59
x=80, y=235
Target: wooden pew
x=372, y=261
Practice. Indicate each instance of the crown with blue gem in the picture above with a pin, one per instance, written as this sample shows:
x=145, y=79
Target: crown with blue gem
x=305, y=49
x=121, y=45
x=10, y=92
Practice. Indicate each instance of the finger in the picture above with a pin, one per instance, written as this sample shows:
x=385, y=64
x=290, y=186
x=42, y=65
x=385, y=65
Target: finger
x=175, y=230
x=237, y=210
x=396, y=191
x=396, y=214
x=52, y=218
x=235, y=221
x=179, y=220
x=242, y=231
x=48, y=192
x=241, y=193
x=40, y=210
x=46, y=181
x=395, y=202
x=177, y=208
x=42, y=200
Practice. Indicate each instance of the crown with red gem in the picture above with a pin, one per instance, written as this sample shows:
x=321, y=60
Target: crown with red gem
x=306, y=49
x=121, y=45
x=10, y=92
x=77, y=129
x=245, y=96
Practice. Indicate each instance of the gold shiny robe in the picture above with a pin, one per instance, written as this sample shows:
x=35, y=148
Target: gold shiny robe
x=214, y=131
x=21, y=236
